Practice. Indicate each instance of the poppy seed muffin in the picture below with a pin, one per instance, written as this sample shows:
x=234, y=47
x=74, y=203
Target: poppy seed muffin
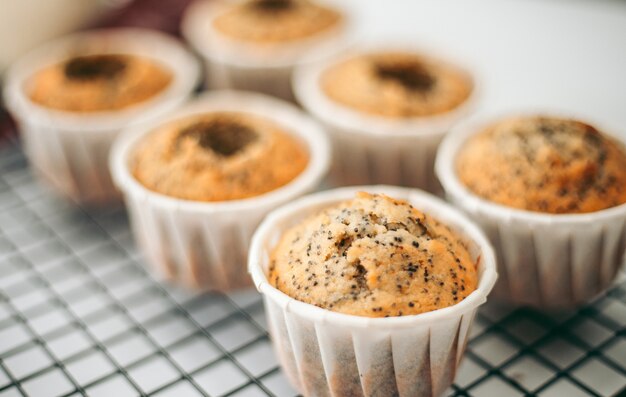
x=275, y=21
x=373, y=256
x=94, y=83
x=396, y=84
x=544, y=164
x=218, y=156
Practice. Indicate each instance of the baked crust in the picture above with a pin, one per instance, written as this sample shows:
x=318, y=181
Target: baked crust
x=545, y=164
x=95, y=83
x=276, y=21
x=373, y=256
x=218, y=156
x=396, y=84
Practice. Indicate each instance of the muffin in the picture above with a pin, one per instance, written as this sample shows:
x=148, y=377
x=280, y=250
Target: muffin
x=98, y=83
x=545, y=164
x=198, y=182
x=387, y=109
x=255, y=44
x=71, y=98
x=219, y=157
x=373, y=256
x=370, y=293
x=550, y=191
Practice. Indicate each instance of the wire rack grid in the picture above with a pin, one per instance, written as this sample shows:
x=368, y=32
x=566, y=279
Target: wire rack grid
x=79, y=315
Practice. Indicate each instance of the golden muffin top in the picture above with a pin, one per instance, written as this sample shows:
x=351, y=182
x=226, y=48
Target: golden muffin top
x=373, y=256
x=544, y=164
x=218, y=156
x=94, y=83
x=396, y=84
x=276, y=21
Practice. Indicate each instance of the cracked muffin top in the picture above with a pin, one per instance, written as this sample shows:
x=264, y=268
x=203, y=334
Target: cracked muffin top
x=373, y=256
x=95, y=83
x=396, y=84
x=544, y=164
x=218, y=156
x=276, y=21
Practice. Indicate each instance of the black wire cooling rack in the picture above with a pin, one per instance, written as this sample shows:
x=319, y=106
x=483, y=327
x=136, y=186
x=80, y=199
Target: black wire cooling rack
x=79, y=315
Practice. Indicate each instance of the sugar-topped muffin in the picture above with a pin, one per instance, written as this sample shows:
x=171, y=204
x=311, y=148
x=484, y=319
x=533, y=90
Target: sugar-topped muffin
x=218, y=156
x=396, y=84
x=373, y=256
x=94, y=83
x=276, y=21
x=545, y=164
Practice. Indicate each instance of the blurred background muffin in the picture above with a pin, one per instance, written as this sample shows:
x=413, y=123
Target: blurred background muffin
x=550, y=192
x=198, y=181
x=255, y=44
x=386, y=108
x=72, y=96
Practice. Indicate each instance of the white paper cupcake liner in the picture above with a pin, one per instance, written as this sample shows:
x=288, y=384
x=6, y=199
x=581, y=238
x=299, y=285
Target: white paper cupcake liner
x=235, y=64
x=70, y=150
x=544, y=260
x=371, y=149
x=205, y=244
x=326, y=353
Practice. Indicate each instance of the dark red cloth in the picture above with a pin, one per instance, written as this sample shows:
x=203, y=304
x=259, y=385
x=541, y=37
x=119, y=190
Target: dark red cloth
x=162, y=15
x=7, y=126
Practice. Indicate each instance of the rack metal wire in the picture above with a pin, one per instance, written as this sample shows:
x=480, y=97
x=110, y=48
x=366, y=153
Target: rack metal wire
x=79, y=315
